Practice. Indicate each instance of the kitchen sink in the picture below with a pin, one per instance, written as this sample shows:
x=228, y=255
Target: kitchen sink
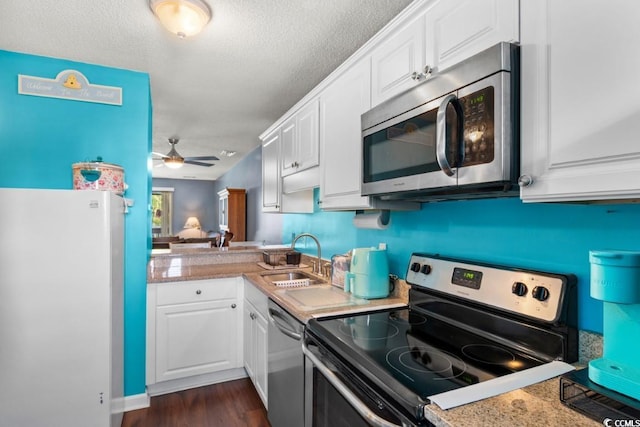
x=292, y=277
x=319, y=297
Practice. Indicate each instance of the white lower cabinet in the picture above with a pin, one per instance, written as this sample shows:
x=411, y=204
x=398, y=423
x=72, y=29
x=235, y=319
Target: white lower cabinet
x=256, y=328
x=194, y=329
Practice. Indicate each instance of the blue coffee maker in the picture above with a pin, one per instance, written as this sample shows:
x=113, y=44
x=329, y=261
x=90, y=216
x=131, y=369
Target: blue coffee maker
x=615, y=279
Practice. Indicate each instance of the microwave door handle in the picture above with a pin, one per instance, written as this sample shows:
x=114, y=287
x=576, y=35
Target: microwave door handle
x=441, y=131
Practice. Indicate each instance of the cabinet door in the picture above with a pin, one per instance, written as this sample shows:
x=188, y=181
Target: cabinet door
x=458, y=29
x=580, y=91
x=255, y=340
x=260, y=327
x=308, y=140
x=394, y=61
x=341, y=105
x=196, y=339
x=288, y=151
x=249, y=339
x=299, y=144
x=271, y=172
x=224, y=213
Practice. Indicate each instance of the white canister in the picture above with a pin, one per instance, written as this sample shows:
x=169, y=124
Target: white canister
x=98, y=175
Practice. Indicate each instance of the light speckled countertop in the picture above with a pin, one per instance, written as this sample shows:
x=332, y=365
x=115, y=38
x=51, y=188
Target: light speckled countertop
x=536, y=405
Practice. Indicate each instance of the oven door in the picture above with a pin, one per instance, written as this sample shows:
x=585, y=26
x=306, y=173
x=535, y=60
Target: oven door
x=338, y=398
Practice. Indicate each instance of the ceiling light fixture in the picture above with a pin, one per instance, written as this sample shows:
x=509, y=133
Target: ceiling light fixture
x=183, y=18
x=173, y=159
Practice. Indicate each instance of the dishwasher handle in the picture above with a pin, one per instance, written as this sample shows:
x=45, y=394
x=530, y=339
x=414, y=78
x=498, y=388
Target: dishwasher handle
x=275, y=317
x=353, y=400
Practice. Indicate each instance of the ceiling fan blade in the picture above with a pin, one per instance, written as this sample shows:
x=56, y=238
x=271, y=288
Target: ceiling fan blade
x=192, y=162
x=202, y=158
x=159, y=154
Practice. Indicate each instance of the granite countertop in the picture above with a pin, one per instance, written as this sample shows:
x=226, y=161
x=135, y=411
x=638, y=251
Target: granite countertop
x=257, y=279
x=211, y=264
x=535, y=405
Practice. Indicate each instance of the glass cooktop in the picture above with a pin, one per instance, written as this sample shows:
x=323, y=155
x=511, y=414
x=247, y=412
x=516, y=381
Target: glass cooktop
x=423, y=354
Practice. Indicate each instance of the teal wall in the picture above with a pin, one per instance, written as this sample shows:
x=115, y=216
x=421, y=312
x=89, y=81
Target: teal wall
x=40, y=138
x=549, y=237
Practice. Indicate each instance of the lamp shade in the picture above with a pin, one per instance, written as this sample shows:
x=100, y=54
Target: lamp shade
x=183, y=18
x=192, y=222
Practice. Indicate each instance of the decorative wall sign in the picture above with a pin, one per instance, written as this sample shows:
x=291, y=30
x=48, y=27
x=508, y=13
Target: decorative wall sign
x=69, y=84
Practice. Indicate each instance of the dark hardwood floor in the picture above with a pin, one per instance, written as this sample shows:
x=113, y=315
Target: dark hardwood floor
x=229, y=404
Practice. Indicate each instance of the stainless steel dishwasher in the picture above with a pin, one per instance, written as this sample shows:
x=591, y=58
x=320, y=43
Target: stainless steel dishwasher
x=285, y=369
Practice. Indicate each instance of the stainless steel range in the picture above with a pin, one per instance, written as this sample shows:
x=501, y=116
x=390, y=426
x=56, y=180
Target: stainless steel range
x=467, y=323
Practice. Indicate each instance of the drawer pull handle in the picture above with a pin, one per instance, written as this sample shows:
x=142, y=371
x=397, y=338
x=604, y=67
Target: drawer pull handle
x=198, y=292
x=233, y=306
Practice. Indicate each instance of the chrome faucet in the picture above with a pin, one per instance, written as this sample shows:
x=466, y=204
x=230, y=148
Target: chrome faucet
x=318, y=267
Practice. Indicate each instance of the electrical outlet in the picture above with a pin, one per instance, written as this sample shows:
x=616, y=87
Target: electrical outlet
x=382, y=246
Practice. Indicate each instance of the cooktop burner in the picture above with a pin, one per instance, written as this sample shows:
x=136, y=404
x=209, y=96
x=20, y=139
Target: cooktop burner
x=490, y=354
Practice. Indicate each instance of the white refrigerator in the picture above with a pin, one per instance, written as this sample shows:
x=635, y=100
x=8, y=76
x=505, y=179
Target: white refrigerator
x=61, y=308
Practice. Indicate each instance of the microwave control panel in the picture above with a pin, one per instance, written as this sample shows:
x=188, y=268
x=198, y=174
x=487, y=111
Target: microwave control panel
x=478, y=110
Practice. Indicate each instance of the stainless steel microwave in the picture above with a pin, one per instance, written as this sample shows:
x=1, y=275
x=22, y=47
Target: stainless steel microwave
x=454, y=136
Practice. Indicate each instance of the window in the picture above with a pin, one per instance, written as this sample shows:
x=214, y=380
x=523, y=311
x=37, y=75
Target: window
x=161, y=212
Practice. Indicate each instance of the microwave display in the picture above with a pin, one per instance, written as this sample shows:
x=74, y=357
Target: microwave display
x=409, y=147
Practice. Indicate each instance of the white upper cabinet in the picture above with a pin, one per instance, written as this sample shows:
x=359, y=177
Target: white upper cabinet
x=271, y=171
x=300, y=140
x=458, y=29
x=580, y=108
x=341, y=105
x=396, y=63
x=273, y=197
x=288, y=147
x=438, y=35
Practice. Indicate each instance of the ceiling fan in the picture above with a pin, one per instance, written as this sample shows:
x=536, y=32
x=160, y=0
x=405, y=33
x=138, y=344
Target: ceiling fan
x=174, y=160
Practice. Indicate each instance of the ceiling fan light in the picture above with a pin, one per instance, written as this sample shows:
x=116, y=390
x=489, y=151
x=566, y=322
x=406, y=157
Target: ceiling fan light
x=173, y=162
x=183, y=18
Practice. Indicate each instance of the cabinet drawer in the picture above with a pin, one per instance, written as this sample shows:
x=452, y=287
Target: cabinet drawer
x=196, y=291
x=256, y=298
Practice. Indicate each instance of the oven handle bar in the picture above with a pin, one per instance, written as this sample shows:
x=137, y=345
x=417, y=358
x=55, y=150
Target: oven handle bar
x=356, y=403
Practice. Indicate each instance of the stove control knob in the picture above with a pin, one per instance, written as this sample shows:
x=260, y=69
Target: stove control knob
x=540, y=293
x=426, y=269
x=519, y=289
x=415, y=267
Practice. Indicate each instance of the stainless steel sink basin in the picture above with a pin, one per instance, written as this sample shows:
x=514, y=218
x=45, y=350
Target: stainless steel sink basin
x=281, y=276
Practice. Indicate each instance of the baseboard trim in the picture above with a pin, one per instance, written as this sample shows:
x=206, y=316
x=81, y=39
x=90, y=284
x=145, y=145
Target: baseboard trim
x=180, y=384
x=136, y=401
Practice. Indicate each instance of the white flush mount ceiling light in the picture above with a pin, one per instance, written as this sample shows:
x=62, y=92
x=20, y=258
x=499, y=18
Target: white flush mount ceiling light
x=183, y=18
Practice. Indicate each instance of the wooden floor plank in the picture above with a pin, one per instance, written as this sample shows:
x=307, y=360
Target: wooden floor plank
x=228, y=404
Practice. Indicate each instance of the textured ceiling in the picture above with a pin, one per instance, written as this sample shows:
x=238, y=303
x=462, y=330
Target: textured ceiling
x=217, y=90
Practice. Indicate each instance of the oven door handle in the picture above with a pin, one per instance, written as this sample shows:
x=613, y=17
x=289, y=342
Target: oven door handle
x=441, y=131
x=356, y=403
